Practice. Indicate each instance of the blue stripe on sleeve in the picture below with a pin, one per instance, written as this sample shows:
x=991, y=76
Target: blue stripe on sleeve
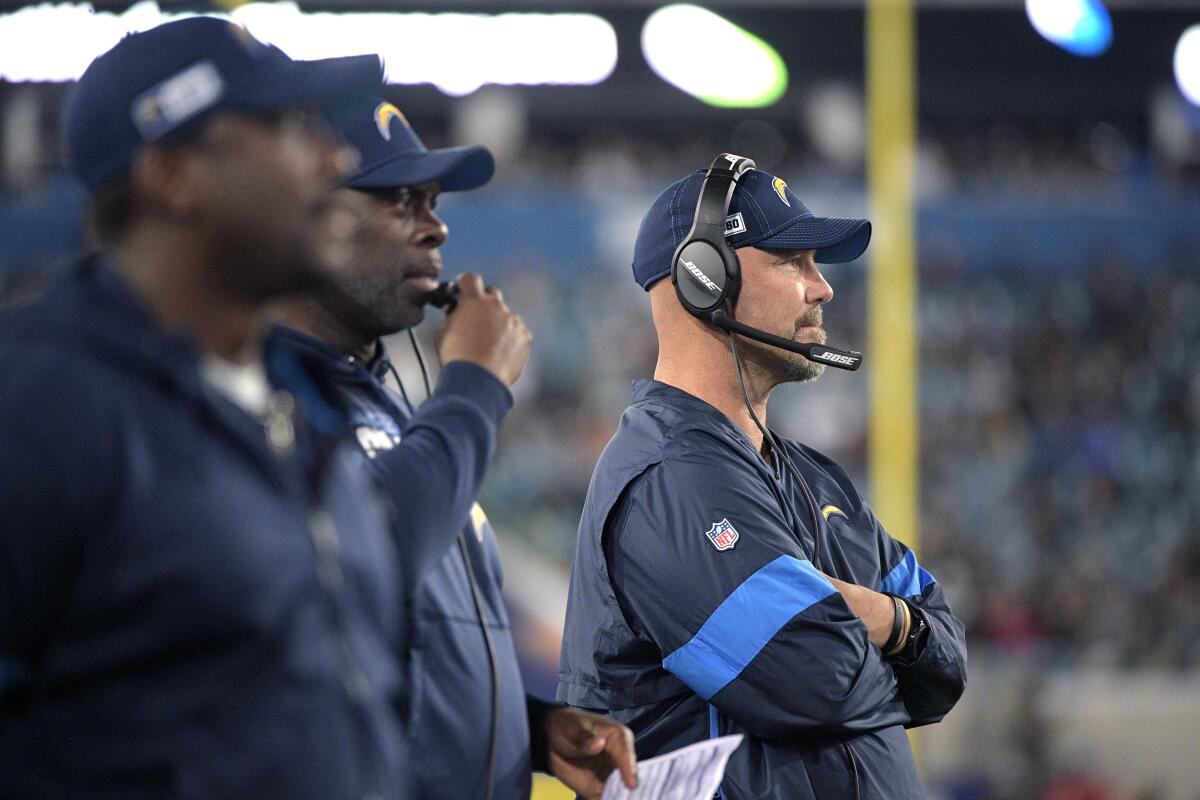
x=907, y=579
x=743, y=624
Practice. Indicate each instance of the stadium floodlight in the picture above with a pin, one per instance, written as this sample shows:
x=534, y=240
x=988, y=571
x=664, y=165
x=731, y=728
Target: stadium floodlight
x=458, y=53
x=712, y=59
x=1187, y=64
x=1082, y=27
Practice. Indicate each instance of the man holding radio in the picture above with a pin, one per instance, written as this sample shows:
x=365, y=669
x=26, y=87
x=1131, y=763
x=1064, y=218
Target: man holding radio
x=730, y=581
x=473, y=732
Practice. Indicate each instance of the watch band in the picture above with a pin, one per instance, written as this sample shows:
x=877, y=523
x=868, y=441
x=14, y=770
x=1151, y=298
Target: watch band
x=893, y=643
x=914, y=644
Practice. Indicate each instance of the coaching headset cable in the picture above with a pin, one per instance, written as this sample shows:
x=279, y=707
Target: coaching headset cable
x=416, y=348
x=477, y=599
x=781, y=455
x=773, y=441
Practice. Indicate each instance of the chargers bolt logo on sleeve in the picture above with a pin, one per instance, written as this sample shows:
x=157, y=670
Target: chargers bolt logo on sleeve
x=830, y=510
x=723, y=535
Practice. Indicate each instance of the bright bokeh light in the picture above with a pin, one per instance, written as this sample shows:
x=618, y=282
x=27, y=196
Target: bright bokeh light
x=1082, y=27
x=1187, y=64
x=712, y=59
x=458, y=53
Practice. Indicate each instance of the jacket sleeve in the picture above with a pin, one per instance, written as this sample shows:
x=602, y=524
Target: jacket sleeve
x=705, y=566
x=434, y=475
x=934, y=680
x=57, y=479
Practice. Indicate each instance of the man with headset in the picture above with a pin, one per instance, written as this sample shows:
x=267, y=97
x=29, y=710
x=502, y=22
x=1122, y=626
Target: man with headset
x=730, y=581
x=473, y=731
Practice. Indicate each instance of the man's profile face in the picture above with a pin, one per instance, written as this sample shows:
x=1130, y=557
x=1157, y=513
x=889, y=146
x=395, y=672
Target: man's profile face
x=262, y=193
x=395, y=259
x=782, y=293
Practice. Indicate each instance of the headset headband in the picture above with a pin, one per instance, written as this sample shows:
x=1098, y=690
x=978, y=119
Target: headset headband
x=705, y=269
x=716, y=195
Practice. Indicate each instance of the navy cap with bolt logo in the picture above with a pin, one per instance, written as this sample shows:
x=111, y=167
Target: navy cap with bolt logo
x=764, y=213
x=392, y=156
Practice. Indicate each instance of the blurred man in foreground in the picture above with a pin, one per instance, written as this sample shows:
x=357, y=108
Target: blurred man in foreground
x=721, y=577
x=197, y=598
x=471, y=724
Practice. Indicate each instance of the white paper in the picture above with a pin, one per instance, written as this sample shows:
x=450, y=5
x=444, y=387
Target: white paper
x=689, y=773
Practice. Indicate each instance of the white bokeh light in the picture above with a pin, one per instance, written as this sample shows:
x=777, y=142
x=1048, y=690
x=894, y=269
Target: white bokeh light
x=1082, y=27
x=1187, y=64
x=732, y=68
x=458, y=53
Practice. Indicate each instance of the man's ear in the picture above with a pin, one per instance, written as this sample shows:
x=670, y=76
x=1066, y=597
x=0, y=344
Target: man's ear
x=165, y=178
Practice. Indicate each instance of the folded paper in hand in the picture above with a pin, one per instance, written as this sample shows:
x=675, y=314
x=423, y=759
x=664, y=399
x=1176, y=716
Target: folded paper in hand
x=689, y=773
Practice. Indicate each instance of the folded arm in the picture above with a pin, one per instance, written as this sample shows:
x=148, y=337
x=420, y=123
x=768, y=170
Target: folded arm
x=747, y=622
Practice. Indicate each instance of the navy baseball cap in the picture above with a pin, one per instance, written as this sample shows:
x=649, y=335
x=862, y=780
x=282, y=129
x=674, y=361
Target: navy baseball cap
x=159, y=85
x=391, y=155
x=764, y=213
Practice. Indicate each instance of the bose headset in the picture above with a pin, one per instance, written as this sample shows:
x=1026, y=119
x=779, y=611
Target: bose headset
x=707, y=277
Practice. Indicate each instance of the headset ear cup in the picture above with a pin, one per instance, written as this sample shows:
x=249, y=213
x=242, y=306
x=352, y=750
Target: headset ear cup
x=704, y=269
x=701, y=276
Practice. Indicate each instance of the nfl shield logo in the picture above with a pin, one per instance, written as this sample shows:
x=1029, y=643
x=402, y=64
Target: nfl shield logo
x=723, y=535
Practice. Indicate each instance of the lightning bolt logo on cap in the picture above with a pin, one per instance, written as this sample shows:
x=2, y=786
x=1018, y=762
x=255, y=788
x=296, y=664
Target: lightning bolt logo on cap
x=779, y=185
x=384, y=114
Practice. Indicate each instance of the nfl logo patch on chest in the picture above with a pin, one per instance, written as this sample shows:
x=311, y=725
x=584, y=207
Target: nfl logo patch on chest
x=723, y=535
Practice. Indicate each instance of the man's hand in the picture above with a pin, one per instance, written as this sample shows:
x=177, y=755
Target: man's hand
x=877, y=611
x=483, y=331
x=583, y=748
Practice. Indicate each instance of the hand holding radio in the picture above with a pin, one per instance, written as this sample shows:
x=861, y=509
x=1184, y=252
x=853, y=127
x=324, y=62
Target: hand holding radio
x=481, y=329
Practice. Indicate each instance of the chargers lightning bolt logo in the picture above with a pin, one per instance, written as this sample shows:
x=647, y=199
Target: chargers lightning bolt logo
x=779, y=185
x=384, y=114
x=832, y=510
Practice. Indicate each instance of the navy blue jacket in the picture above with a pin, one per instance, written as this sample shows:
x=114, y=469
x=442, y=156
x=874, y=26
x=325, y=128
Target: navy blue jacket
x=694, y=611
x=431, y=465
x=189, y=607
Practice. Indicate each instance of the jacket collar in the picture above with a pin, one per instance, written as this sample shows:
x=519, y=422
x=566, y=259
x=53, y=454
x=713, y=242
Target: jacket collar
x=648, y=389
x=92, y=307
x=332, y=358
x=699, y=413
x=337, y=371
x=93, y=310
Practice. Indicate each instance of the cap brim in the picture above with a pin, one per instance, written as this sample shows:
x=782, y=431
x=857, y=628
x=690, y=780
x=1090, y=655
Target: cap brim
x=836, y=241
x=333, y=85
x=456, y=169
